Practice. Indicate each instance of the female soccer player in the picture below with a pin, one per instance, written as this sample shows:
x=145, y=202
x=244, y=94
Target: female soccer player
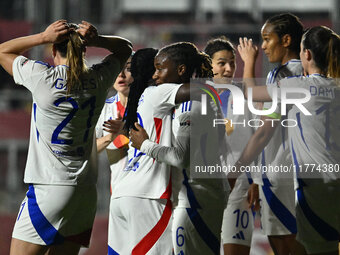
x=314, y=142
x=238, y=220
x=281, y=36
x=58, y=212
x=198, y=216
x=140, y=205
x=116, y=146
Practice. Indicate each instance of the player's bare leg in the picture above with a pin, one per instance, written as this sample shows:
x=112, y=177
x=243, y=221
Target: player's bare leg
x=19, y=247
x=233, y=249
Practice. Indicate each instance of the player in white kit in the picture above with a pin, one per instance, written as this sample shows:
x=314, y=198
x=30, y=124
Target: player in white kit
x=238, y=218
x=198, y=215
x=57, y=213
x=141, y=207
x=281, y=35
x=314, y=142
x=116, y=146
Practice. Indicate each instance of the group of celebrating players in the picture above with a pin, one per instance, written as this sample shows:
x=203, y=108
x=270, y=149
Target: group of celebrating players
x=157, y=206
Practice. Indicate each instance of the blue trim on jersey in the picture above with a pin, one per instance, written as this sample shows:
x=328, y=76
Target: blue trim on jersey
x=186, y=106
x=43, y=63
x=43, y=227
x=294, y=76
x=278, y=71
x=297, y=166
x=298, y=118
x=202, y=229
x=112, y=99
x=279, y=209
x=323, y=228
x=316, y=74
x=271, y=73
x=190, y=193
x=250, y=180
x=264, y=175
x=225, y=99
x=35, y=119
x=111, y=251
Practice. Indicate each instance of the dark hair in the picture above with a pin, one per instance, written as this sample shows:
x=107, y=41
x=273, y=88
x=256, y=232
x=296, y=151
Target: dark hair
x=142, y=69
x=73, y=50
x=217, y=44
x=288, y=24
x=324, y=45
x=186, y=53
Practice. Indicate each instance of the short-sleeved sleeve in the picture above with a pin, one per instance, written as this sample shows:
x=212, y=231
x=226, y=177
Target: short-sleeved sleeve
x=163, y=96
x=25, y=71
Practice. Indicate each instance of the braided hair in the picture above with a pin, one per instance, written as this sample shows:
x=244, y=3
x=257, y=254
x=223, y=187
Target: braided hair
x=197, y=63
x=142, y=69
x=288, y=24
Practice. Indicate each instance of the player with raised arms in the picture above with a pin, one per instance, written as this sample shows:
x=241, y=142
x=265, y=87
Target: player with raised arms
x=281, y=36
x=58, y=211
x=238, y=218
x=314, y=141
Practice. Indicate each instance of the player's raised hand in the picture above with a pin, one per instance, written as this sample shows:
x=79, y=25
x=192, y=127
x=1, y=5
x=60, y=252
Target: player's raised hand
x=88, y=32
x=248, y=51
x=56, y=32
x=137, y=137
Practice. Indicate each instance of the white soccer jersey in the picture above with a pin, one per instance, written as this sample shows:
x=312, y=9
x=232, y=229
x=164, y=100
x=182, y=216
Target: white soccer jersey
x=118, y=158
x=315, y=140
x=145, y=177
x=276, y=153
x=198, y=197
x=62, y=146
x=207, y=189
x=238, y=138
x=202, y=189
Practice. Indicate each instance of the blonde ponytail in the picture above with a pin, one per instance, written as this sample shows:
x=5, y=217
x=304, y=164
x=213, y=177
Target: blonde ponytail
x=75, y=61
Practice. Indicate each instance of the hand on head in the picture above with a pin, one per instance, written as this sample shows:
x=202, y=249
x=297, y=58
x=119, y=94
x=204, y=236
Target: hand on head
x=88, y=32
x=59, y=30
x=56, y=32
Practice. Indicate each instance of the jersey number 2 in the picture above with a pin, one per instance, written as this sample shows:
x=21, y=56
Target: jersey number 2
x=91, y=102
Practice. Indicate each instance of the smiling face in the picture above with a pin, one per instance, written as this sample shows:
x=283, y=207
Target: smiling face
x=224, y=64
x=272, y=45
x=166, y=70
x=124, y=79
